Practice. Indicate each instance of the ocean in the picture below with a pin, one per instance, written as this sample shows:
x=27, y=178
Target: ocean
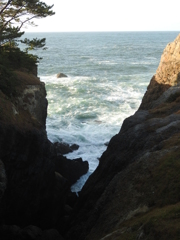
x=108, y=74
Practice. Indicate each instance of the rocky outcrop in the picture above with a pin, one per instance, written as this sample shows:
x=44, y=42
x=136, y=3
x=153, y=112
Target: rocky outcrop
x=33, y=99
x=34, y=180
x=71, y=169
x=134, y=192
x=167, y=75
x=64, y=148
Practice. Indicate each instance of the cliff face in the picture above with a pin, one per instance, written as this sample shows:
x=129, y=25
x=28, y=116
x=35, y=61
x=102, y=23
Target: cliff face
x=134, y=192
x=25, y=150
x=34, y=179
x=167, y=75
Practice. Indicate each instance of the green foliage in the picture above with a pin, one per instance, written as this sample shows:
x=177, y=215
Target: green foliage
x=34, y=44
x=8, y=81
x=18, y=12
x=14, y=14
x=13, y=58
x=9, y=35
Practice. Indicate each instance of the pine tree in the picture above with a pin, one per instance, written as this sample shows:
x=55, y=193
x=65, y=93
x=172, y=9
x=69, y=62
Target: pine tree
x=14, y=14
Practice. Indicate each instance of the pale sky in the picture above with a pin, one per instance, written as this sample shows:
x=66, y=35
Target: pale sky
x=111, y=15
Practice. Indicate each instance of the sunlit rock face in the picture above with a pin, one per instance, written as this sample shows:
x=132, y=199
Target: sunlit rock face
x=169, y=67
x=167, y=74
x=138, y=178
x=33, y=99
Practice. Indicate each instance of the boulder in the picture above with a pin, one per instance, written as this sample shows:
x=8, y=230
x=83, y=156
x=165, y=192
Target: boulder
x=65, y=148
x=61, y=75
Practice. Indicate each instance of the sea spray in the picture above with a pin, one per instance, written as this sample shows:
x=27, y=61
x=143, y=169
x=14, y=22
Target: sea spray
x=107, y=76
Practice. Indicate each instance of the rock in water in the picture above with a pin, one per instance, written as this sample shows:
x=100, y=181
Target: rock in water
x=61, y=75
x=64, y=148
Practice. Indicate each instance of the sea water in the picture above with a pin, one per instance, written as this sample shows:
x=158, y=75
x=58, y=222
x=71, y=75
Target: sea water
x=108, y=74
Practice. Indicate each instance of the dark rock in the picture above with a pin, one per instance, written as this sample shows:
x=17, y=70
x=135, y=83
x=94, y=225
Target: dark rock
x=138, y=174
x=35, y=193
x=32, y=192
x=3, y=180
x=61, y=75
x=64, y=148
x=106, y=144
x=10, y=232
x=74, y=147
x=30, y=232
x=71, y=199
x=72, y=170
x=30, y=175
x=68, y=209
x=51, y=234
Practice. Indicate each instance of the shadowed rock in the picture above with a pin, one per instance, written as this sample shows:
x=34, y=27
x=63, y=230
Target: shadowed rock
x=64, y=148
x=32, y=190
x=138, y=178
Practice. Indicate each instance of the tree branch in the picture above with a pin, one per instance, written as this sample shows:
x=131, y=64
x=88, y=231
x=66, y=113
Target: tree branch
x=13, y=17
x=22, y=23
x=7, y=4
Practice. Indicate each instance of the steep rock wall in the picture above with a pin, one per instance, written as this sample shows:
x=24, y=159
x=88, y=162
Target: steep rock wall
x=37, y=180
x=167, y=74
x=33, y=100
x=138, y=178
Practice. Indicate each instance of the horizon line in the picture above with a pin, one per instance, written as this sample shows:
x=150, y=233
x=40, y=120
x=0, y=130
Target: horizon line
x=102, y=31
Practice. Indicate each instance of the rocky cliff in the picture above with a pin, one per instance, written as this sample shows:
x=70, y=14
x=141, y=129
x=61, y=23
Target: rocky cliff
x=134, y=192
x=35, y=179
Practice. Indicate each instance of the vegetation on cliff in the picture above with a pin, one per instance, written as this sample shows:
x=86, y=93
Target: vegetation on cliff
x=35, y=178
x=14, y=15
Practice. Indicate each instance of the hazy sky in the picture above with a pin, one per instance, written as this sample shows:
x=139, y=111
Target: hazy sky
x=111, y=15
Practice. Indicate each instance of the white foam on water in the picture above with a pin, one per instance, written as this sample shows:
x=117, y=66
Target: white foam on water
x=107, y=77
x=88, y=111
